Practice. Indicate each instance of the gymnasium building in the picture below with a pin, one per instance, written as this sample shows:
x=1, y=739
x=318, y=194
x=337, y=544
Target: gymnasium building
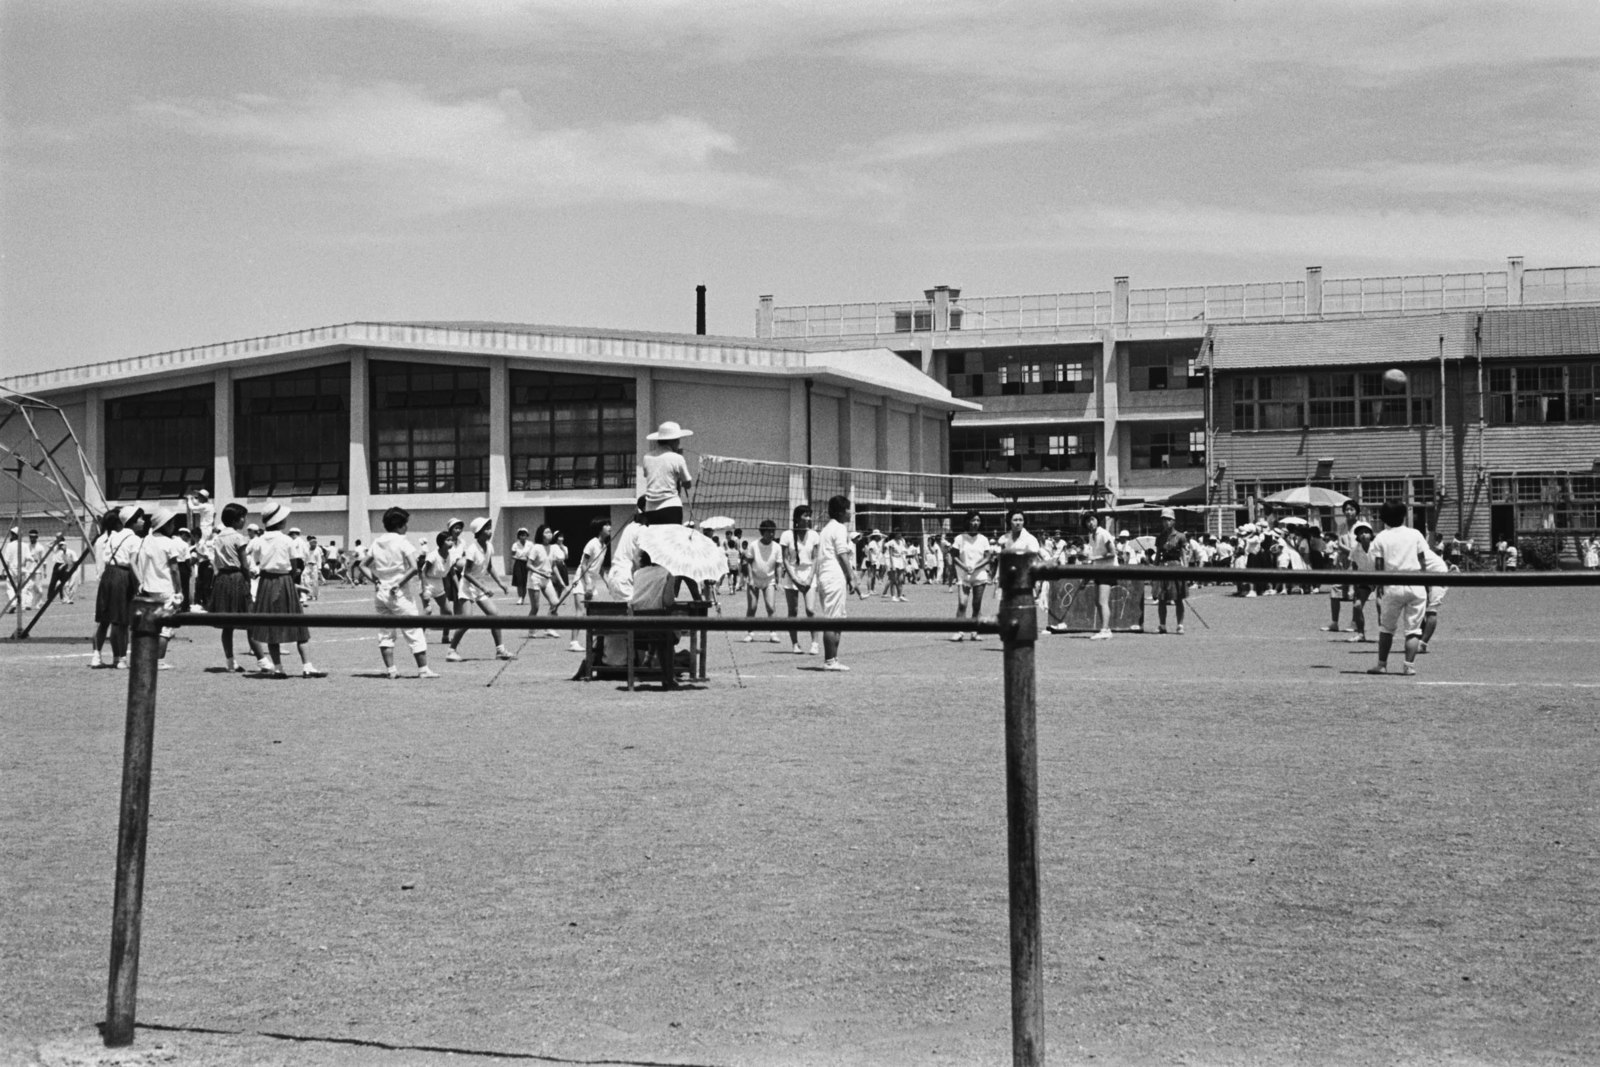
x=526, y=424
x=1215, y=396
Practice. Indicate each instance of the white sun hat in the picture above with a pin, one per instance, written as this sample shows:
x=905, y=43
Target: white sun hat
x=669, y=431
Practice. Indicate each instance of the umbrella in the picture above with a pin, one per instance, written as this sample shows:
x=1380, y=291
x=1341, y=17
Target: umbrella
x=1144, y=541
x=1308, y=496
x=718, y=522
x=1293, y=520
x=685, y=552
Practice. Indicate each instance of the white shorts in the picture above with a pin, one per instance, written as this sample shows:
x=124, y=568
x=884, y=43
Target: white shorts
x=1401, y=609
x=399, y=604
x=1436, y=596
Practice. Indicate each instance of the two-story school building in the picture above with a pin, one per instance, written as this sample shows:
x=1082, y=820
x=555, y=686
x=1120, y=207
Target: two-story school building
x=1219, y=395
x=525, y=424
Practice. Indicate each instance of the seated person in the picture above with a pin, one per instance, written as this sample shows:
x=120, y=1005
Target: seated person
x=654, y=592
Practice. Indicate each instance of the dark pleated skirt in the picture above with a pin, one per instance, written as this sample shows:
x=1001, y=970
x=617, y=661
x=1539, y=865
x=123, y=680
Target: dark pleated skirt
x=276, y=595
x=113, y=601
x=230, y=593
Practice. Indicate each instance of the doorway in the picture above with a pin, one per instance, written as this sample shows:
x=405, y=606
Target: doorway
x=1502, y=524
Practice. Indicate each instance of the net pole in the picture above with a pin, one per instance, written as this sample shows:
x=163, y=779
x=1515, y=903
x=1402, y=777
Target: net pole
x=1019, y=632
x=134, y=829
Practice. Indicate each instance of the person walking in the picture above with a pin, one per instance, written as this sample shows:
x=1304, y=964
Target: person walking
x=113, y=601
x=156, y=565
x=393, y=563
x=477, y=561
x=973, y=556
x=542, y=577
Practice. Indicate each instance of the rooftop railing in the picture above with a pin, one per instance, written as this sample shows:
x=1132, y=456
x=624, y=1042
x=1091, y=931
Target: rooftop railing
x=1315, y=297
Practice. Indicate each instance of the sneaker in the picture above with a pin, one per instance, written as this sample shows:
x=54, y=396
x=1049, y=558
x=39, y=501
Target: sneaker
x=974, y=637
x=122, y=664
x=834, y=665
x=96, y=661
x=1251, y=593
x=392, y=673
x=235, y=668
x=748, y=638
x=501, y=652
x=1356, y=639
x=1379, y=669
x=308, y=671
x=1056, y=628
x=163, y=666
x=263, y=666
x=1408, y=669
x=958, y=637
x=279, y=672
x=576, y=646
x=427, y=672
x=452, y=656
x=1179, y=629
x=1101, y=635
x=814, y=650
x=774, y=639
x=1330, y=629
x=797, y=650
x=1161, y=629
x=553, y=633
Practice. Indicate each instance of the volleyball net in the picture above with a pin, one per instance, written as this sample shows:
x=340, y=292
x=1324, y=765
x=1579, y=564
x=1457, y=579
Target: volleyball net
x=751, y=490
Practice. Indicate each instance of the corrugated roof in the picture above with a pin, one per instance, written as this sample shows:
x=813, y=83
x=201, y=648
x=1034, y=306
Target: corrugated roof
x=1406, y=339
x=1541, y=332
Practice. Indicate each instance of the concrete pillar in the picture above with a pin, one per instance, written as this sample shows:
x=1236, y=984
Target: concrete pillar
x=880, y=434
x=222, y=416
x=1119, y=299
x=764, y=315
x=1106, y=385
x=916, y=463
x=644, y=421
x=93, y=441
x=1314, y=292
x=499, y=438
x=1514, y=280
x=847, y=421
x=357, y=523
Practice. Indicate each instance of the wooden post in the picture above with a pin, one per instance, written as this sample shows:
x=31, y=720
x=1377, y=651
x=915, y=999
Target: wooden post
x=1019, y=631
x=133, y=831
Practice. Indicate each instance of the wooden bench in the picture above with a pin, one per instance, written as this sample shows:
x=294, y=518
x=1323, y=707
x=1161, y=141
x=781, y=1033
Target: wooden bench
x=592, y=668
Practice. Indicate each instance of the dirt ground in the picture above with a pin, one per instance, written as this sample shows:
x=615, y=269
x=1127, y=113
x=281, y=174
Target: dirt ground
x=1252, y=852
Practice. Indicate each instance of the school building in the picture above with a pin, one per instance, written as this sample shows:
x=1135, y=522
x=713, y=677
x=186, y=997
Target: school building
x=525, y=424
x=1219, y=395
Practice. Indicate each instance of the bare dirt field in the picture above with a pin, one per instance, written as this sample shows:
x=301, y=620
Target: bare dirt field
x=1252, y=853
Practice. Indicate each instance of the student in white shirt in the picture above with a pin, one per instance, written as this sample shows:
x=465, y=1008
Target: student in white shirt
x=766, y=555
x=666, y=476
x=279, y=560
x=1399, y=550
x=393, y=562
x=155, y=568
x=973, y=557
x=836, y=575
x=799, y=551
x=590, y=576
x=113, y=550
x=477, y=561
x=1100, y=552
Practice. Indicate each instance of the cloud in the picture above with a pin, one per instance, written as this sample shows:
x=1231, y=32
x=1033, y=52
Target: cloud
x=948, y=141
x=1514, y=178
x=1411, y=237
x=440, y=155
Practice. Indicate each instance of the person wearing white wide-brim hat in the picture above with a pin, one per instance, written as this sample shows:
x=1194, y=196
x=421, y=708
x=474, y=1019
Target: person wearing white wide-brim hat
x=279, y=559
x=666, y=476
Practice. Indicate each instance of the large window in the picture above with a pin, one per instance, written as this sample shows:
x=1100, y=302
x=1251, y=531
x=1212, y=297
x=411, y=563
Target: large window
x=430, y=428
x=1018, y=372
x=1549, y=501
x=1165, y=367
x=571, y=431
x=291, y=434
x=1332, y=400
x=1160, y=448
x=1016, y=450
x=1543, y=393
x=159, y=446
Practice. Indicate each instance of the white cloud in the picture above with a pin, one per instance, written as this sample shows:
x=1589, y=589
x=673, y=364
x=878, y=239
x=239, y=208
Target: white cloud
x=440, y=155
x=947, y=141
x=1515, y=178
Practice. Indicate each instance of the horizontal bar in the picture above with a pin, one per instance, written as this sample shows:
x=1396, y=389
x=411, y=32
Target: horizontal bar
x=1229, y=575
x=239, y=620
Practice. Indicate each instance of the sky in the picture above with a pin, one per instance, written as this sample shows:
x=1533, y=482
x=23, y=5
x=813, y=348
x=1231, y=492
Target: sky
x=178, y=173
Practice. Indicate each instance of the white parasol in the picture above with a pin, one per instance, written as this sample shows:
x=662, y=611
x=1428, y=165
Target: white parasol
x=718, y=522
x=1308, y=496
x=684, y=552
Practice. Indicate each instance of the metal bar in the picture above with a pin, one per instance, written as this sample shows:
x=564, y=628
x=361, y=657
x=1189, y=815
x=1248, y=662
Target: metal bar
x=134, y=829
x=573, y=622
x=1019, y=631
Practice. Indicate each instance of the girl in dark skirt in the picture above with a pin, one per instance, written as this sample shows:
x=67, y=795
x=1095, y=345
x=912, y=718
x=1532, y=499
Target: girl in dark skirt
x=519, y=565
x=230, y=582
x=279, y=560
x=113, y=602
